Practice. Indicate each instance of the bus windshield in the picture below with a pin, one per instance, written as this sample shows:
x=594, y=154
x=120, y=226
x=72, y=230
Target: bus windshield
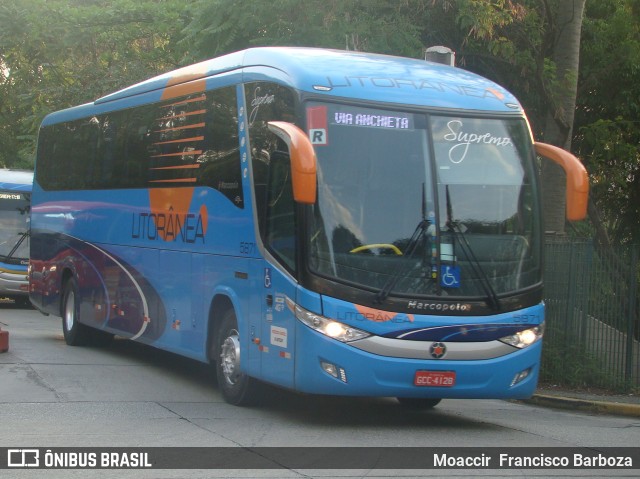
x=14, y=218
x=423, y=204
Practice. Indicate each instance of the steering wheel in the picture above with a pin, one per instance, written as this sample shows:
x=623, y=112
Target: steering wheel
x=366, y=247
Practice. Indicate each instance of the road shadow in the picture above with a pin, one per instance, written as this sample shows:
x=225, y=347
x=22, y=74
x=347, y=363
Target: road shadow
x=12, y=303
x=336, y=411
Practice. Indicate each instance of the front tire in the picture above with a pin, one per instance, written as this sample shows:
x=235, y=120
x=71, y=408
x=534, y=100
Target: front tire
x=75, y=333
x=236, y=387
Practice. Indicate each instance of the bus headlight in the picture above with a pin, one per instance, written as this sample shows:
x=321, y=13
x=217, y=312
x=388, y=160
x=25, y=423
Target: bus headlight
x=523, y=339
x=327, y=326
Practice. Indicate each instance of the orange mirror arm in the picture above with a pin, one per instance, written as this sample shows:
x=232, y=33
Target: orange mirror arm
x=577, y=179
x=303, y=160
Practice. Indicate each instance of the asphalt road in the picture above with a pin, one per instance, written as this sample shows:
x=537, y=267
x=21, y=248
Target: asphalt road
x=131, y=395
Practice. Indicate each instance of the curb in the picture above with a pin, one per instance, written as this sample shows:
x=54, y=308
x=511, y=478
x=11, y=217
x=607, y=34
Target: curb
x=608, y=407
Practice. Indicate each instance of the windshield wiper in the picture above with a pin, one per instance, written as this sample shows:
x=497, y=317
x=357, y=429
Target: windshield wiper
x=412, y=246
x=17, y=245
x=456, y=232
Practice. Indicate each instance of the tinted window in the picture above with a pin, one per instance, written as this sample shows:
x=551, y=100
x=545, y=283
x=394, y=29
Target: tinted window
x=189, y=141
x=14, y=221
x=271, y=168
x=414, y=200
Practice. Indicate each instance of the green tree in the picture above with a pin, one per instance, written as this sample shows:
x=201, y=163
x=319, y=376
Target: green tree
x=532, y=48
x=608, y=115
x=558, y=130
x=223, y=26
x=58, y=53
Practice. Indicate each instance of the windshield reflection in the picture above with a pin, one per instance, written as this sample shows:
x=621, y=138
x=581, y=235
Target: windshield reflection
x=14, y=222
x=381, y=173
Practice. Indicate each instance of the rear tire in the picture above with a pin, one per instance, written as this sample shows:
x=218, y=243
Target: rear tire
x=236, y=387
x=419, y=403
x=75, y=333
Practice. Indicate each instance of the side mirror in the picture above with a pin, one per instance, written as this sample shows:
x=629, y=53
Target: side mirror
x=577, y=179
x=303, y=160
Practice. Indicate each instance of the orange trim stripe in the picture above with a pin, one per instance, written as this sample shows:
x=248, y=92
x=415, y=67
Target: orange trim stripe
x=195, y=125
x=176, y=89
x=184, y=102
x=187, y=153
x=183, y=140
x=182, y=115
x=177, y=167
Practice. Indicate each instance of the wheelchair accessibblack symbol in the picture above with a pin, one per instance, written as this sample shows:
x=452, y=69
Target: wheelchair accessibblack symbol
x=450, y=276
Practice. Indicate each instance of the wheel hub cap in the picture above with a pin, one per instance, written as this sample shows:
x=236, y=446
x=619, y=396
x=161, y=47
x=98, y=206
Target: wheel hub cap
x=230, y=359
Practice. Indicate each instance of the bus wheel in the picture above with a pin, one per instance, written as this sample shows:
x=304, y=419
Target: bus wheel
x=75, y=333
x=419, y=403
x=236, y=387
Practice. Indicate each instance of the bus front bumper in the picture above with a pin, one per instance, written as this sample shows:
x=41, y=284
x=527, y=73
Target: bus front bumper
x=327, y=366
x=13, y=283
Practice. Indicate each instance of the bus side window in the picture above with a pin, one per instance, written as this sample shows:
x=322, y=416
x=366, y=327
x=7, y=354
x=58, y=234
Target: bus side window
x=280, y=209
x=220, y=166
x=271, y=168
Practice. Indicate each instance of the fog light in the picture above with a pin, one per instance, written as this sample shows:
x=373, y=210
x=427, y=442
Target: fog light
x=330, y=369
x=521, y=376
x=334, y=371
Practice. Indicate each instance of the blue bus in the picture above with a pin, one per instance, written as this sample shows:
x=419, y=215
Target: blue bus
x=330, y=222
x=15, y=205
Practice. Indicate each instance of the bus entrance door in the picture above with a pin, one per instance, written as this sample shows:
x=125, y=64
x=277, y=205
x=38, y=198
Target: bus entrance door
x=277, y=332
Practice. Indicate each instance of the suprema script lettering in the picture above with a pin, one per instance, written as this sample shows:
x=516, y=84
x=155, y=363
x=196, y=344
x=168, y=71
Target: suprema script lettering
x=458, y=152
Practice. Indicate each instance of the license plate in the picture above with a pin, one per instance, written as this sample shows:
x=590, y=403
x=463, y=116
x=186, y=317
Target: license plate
x=443, y=379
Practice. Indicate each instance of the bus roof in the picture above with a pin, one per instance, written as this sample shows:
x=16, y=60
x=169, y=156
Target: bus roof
x=17, y=180
x=335, y=73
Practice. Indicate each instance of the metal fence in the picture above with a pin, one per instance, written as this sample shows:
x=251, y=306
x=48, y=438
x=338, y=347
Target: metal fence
x=593, y=326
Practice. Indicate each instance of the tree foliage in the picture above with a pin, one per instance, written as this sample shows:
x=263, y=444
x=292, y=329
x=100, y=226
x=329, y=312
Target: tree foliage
x=57, y=53
x=607, y=122
x=222, y=26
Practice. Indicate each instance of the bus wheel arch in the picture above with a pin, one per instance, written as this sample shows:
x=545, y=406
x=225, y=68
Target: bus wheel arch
x=224, y=352
x=219, y=307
